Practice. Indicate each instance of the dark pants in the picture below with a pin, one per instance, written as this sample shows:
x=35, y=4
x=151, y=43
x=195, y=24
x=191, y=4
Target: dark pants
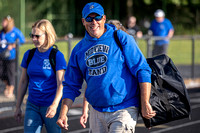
x=160, y=49
x=7, y=71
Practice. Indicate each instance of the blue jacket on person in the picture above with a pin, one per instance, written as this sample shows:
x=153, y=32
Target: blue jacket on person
x=161, y=29
x=111, y=75
x=11, y=37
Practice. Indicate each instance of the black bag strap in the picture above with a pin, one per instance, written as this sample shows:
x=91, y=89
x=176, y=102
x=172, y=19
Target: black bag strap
x=52, y=57
x=30, y=55
x=117, y=40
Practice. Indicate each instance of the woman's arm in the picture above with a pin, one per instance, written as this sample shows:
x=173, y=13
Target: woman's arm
x=21, y=91
x=51, y=111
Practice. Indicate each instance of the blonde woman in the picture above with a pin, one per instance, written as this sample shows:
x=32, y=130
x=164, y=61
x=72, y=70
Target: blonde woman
x=45, y=86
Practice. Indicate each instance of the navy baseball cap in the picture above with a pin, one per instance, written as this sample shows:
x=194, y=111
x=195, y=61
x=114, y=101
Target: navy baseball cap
x=92, y=7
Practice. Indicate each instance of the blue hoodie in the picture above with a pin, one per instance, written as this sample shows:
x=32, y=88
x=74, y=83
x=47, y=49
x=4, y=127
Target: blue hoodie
x=111, y=75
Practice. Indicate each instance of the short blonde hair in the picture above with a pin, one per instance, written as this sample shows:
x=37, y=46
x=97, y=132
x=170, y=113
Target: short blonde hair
x=46, y=26
x=10, y=25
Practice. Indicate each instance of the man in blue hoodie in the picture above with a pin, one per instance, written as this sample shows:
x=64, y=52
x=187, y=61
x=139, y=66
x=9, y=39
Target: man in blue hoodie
x=111, y=75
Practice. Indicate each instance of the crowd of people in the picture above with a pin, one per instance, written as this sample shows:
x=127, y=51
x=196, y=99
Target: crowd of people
x=118, y=85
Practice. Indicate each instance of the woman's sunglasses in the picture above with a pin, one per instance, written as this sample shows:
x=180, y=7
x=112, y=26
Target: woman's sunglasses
x=37, y=36
x=90, y=19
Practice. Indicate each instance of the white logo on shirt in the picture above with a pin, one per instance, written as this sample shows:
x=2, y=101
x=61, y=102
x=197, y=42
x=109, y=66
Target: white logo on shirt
x=3, y=43
x=13, y=35
x=46, y=64
x=96, y=59
x=162, y=26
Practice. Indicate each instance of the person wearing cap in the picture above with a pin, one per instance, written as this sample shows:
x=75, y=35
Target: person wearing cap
x=161, y=27
x=112, y=76
x=85, y=109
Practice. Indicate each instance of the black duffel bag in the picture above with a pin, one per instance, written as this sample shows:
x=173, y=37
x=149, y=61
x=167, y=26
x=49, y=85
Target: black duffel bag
x=169, y=96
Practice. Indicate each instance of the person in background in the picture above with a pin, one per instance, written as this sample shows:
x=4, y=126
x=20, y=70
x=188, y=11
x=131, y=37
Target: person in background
x=111, y=75
x=132, y=28
x=8, y=37
x=118, y=25
x=45, y=86
x=161, y=27
x=85, y=109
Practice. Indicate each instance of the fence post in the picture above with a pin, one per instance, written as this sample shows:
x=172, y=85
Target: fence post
x=193, y=57
x=149, y=47
x=17, y=68
x=69, y=40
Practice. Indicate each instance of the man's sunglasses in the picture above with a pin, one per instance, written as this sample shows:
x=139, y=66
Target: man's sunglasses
x=37, y=36
x=90, y=19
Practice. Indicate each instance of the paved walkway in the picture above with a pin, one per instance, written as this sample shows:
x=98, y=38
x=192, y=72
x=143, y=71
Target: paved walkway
x=9, y=125
x=7, y=106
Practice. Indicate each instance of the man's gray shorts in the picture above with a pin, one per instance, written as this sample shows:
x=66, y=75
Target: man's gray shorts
x=121, y=121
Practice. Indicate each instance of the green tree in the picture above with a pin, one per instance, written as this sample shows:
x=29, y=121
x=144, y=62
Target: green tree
x=66, y=14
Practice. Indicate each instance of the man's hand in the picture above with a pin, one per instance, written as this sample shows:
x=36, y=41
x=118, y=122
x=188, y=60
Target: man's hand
x=145, y=91
x=62, y=119
x=62, y=122
x=147, y=111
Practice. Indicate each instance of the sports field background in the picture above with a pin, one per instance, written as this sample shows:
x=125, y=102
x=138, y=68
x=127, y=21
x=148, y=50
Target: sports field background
x=180, y=51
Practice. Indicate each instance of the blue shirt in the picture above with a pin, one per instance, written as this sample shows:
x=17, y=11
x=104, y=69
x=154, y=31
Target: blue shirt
x=42, y=79
x=11, y=37
x=111, y=75
x=161, y=30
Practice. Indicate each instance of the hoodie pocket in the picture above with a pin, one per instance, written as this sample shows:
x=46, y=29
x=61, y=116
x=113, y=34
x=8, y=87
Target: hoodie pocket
x=112, y=94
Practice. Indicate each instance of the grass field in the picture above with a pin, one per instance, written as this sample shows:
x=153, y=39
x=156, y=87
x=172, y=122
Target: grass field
x=62, y=46
x=179, y=50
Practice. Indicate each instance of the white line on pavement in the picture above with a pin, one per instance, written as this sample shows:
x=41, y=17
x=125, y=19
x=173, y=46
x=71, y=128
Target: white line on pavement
x=178, y=126
x=11, y=129
x=3, y=109
x=77, y=112
x=79, y=131
x=195, y=106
